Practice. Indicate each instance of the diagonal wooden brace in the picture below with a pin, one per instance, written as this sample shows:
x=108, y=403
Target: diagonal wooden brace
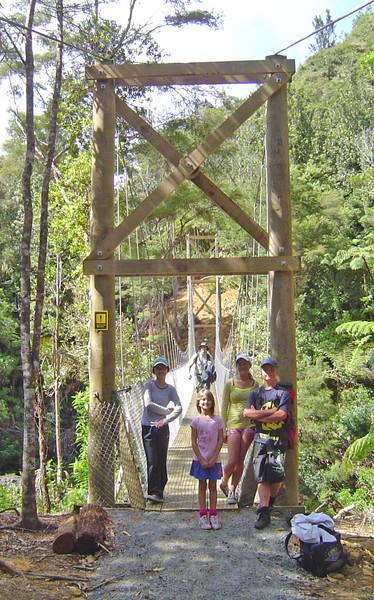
x=188, y=168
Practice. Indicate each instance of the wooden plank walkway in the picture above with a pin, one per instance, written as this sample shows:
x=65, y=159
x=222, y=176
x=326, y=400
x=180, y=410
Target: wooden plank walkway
x=181, y=492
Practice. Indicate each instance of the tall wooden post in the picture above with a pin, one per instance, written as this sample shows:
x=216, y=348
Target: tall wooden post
x=102, y=289
x=281, y=293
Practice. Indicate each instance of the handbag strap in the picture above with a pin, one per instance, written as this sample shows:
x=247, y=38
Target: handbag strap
x=330, y=531
x=327, y=529
x=286, y=542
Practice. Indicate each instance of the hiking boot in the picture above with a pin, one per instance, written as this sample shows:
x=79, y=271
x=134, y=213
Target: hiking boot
x=263, y=517
x=271, y=503
x=231, y=499
x=204, y=522
x=214, y=521
x=224, y=489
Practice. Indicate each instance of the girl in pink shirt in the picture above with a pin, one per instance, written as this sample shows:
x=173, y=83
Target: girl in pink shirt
x=206, y=441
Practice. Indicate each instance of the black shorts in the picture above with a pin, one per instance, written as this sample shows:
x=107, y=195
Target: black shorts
x=268, y=466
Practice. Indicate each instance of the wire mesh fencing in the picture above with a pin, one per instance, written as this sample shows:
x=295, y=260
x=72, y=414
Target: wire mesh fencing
x=117, y=462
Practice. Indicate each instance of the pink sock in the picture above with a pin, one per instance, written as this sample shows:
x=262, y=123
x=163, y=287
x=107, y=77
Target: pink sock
x=203, y=512
x=213, y=513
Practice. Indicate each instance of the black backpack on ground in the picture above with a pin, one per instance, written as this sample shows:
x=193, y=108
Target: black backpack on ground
x=319, y=558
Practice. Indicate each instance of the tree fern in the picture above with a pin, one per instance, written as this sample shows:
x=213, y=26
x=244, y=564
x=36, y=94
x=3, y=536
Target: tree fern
x=357, y=328
x=359, y=449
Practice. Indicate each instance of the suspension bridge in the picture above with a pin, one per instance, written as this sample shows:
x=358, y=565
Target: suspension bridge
x=121, y=448
x=116, y=457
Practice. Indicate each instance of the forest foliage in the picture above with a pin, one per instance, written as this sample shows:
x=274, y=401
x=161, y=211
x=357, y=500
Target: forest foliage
x=331, y=132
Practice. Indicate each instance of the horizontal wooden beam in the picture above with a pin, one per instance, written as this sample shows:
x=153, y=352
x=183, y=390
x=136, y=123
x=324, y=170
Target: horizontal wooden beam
x=149, y=74
x=192, y=266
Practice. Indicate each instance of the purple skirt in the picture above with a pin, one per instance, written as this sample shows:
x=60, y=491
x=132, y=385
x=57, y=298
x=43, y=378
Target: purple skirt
x=199, y=472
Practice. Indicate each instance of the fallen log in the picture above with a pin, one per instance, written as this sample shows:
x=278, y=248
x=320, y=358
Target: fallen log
x=343, y=512
x=94, y=529
x=7, y=568
x=64, y=540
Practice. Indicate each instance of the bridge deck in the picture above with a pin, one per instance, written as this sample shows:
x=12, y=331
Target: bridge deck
x=181, y=490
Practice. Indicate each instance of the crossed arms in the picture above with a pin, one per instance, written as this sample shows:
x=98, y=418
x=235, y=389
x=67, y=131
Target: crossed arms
x=268, y=415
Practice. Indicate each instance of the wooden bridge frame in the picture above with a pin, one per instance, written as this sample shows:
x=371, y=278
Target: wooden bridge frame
x=272, y=76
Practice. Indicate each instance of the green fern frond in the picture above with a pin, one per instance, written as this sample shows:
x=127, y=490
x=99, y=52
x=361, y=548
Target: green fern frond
x=360, y=448
x=357, y=328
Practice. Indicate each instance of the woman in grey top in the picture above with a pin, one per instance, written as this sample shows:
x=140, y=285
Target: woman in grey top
x=161, y=405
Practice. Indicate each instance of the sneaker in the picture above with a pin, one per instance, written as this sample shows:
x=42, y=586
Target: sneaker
x=224, y=489
x=155, y=499
x=204, y=522
x=214, y=521
x=263, y=517
x=231, y=499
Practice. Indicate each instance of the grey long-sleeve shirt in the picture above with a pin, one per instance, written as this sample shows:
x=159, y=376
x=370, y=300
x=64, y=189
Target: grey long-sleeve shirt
x=157, y=401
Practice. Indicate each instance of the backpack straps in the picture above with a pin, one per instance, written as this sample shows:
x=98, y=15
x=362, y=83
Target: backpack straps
x=286, y=544
x=327, y=529
x=277, y=400
x=256, y=392
x=208, y=355
x=279, y=396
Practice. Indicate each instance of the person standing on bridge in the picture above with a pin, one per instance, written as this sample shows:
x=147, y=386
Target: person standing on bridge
x=270, y=410
x=239, y=431
x=161, y=405
x=200, y=361
x=206, y=441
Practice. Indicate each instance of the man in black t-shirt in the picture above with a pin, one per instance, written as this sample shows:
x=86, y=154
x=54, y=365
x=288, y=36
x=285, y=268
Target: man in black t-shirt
x=269, y=407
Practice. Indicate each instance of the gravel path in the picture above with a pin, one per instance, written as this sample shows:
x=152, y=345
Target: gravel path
x=165, y=555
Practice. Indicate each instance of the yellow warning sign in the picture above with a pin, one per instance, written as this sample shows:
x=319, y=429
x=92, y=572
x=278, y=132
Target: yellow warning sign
x=101, y=320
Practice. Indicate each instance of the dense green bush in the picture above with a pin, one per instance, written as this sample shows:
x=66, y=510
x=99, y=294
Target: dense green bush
x=356, y=413
x=361, y=494
x=10, y=495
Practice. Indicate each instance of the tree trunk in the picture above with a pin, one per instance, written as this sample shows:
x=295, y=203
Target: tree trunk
x=57, y=371
x=39, y=410
x=43, y=239
x=29, y=517
x=30, y=352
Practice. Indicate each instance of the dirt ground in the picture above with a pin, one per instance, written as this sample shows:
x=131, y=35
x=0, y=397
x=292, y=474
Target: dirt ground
x=166, y=555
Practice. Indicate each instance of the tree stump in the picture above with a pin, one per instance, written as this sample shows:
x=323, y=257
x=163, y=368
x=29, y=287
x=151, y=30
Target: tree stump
x=93, y=529
x=85, y=531
x=64, y=541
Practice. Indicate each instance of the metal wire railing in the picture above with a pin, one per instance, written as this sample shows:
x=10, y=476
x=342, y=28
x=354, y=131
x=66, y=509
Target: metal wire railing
x=113, y=469
x=118, y=468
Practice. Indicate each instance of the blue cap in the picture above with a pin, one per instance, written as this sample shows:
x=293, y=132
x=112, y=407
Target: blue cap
x=160, y=361
x=269, y=361
x=244, y=356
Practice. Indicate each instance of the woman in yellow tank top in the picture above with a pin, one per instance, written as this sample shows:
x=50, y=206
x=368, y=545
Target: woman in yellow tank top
x=239, y=430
